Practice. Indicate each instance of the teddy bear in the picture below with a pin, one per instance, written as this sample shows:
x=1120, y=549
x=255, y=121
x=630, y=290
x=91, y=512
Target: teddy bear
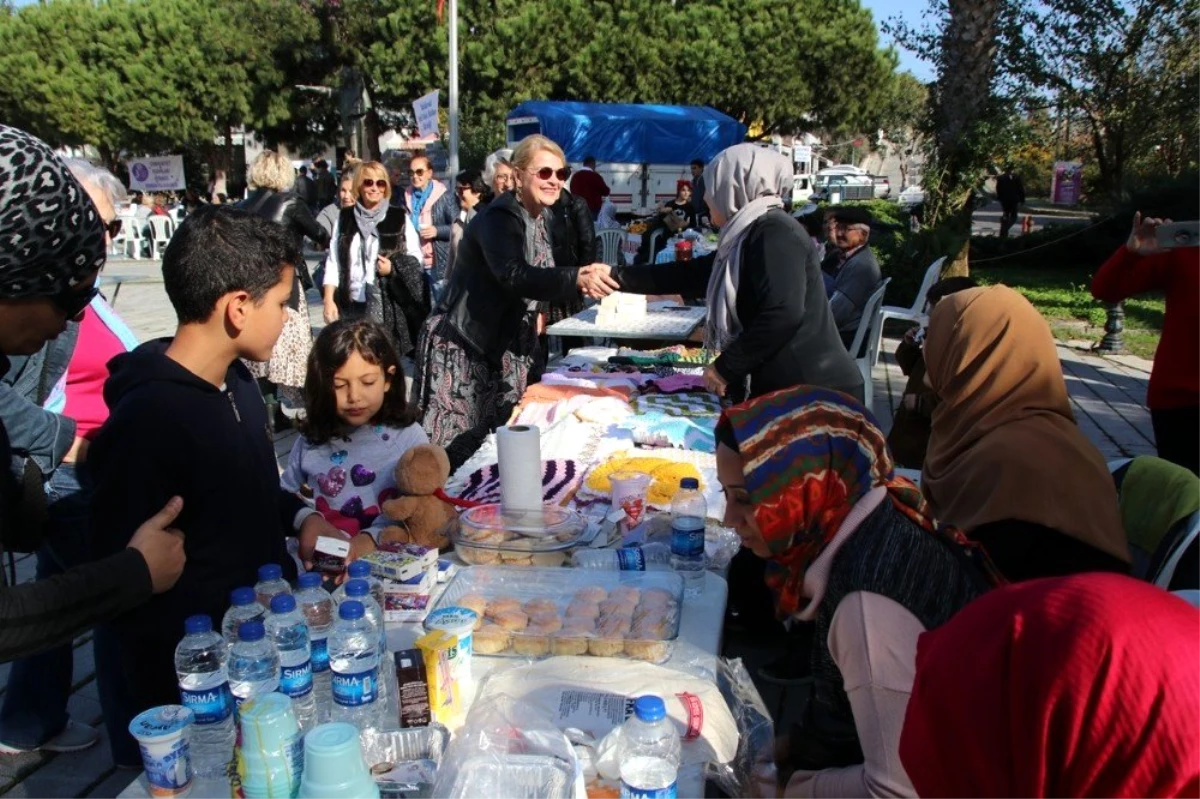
x=418, y=516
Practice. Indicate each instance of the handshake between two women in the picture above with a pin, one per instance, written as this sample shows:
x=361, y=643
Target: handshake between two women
x=595, y=281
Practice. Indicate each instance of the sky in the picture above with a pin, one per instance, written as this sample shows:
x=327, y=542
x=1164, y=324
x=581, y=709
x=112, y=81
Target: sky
x=910, y=12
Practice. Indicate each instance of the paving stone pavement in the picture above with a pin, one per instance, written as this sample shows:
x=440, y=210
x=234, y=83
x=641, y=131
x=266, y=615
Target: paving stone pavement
x=1108, y=396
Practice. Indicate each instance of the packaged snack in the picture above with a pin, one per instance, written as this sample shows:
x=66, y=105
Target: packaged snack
x=438, y=649
x=400, y=564
x=414, y=688
x=330, y=554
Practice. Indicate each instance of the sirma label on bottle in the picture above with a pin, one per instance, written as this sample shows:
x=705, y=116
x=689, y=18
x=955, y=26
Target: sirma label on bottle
x=320, y=655
x=296, y=681
x=631, y=559
x=687, y=542
x=355, y=689
x=669, y=792
x=210, y=706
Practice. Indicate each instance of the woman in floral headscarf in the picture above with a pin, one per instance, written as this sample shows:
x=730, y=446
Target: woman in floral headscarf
x=810, y=487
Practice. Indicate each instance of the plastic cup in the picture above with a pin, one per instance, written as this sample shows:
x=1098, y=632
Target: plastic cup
x=683, y=250
x=334, y=767
x=270, y=755
x=629, y=494
x=459, y=622
x=162, y=736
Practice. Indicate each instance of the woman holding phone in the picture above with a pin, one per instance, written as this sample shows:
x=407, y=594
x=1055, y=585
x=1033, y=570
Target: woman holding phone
x=1148, y=263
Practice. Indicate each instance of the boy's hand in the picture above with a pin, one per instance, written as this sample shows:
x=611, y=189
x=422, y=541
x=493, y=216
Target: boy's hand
x=311, y=529
x=331, y=312
x=383, y=266
x=1142, y=238
x=161, y=546
x=361, y=544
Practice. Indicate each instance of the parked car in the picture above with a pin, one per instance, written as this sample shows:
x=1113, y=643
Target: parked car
x=883, y=188
x=913, y=195
x=845, y=186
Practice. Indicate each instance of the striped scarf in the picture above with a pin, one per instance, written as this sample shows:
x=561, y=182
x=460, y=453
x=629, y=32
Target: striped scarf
x=809, y=455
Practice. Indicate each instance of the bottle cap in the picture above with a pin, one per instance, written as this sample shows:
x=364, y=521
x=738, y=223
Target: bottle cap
x=359, y=568
x=243, y=596
x=197, y=624
x=310, y=580
x=649, y=708
x=271, y=571
x=283, y=603
x=350, y=609
x=251, y=631
x=689, y=483
x=357, y=588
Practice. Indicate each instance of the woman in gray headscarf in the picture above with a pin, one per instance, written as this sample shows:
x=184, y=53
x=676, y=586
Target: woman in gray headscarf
x=768, y=317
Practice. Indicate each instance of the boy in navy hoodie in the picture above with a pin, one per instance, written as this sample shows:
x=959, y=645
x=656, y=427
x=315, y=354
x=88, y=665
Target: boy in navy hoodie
x=187, y=419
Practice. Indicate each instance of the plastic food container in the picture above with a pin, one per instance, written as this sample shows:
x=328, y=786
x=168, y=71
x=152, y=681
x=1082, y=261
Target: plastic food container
x=517, y=776
x=537, y=613
x=404, y=762
x=490, y=535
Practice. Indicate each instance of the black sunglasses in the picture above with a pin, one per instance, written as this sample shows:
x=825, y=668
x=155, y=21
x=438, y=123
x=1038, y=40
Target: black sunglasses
x=379, y=184
x=545, y=172
x=72, y=301
x=416, y=173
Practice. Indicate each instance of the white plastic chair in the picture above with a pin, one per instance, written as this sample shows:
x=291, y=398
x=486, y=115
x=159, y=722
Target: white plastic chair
x=868, y=331
x=610, y=245
x=133, y=235
x=917, y=312
x=161, y=230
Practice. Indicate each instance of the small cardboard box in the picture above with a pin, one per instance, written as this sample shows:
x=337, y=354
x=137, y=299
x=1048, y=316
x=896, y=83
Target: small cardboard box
x=401, y=561
x=330, y=554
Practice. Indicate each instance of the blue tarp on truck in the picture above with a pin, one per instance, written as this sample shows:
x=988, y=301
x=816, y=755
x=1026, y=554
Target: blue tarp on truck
x=626, y=133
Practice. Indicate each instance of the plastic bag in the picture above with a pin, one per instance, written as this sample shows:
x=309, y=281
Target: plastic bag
x=752, y=771
x=505, y=749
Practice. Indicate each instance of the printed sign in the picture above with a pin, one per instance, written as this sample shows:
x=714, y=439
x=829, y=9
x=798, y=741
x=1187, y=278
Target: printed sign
x=159, y=173
x=1068, y=183
x=801, y=154
x=425, y=109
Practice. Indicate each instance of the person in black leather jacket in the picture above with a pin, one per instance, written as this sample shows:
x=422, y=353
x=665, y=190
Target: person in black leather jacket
x=475, y=355
x=272, y=197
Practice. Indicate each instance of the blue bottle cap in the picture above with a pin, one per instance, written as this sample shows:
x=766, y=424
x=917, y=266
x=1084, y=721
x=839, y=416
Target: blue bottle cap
x=357, y=588
x=359, y=568
x=310, y=580
x=283, y=603
x=271, y=571
x=350, y=609
x=243, y=596
x=251, y=631
x=197, y=624
x=689, y=483
x=649, y=708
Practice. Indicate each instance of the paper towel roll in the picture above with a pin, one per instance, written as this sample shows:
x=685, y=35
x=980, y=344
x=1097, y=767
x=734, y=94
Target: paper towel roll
x=519, y=449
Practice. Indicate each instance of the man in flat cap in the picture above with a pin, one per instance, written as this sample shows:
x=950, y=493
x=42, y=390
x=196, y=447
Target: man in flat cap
x=859, y=274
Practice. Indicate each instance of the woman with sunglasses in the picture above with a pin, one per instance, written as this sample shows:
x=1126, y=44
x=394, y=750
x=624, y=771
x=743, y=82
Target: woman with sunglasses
x=475, y=356
x=374, y=262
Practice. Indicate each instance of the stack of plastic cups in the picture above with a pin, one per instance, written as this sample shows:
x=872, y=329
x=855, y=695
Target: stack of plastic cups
x=334, y=767
x=270, y=756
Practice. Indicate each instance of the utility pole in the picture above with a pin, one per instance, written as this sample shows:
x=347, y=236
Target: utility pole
x=453, y=89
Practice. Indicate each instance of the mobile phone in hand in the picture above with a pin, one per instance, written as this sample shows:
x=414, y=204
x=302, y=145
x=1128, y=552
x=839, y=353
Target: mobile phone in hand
x=1178, y=234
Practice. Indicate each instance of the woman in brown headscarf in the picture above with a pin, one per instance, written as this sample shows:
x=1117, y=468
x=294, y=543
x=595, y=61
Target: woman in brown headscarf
x=1006, y=461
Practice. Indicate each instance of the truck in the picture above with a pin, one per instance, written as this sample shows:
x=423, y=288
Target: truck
x=641, y=150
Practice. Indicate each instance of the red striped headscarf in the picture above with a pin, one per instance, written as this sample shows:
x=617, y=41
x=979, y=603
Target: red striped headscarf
x=809, y=454
x=1086, y=685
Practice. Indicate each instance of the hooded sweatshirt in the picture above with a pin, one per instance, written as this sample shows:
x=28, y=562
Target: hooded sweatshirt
x=172, y=433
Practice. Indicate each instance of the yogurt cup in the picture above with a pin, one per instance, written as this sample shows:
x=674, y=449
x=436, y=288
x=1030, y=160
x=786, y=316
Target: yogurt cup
x=459, y=622
x=162, y=736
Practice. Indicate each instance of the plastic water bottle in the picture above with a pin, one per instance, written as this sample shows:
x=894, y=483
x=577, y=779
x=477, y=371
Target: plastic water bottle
x=270, y=584
x=317, y=606
x=359, y=590
x=253, y=663
x=688, y=511
x=243, y=607
x=652, y=556
x=360, y=570
x=286, y=626
x=649, y=752
x=200, y=662
x=354, y=662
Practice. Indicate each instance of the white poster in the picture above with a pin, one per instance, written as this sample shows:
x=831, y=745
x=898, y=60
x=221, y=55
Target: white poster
x=425, y=109
x=158, y=173
x=801, y=154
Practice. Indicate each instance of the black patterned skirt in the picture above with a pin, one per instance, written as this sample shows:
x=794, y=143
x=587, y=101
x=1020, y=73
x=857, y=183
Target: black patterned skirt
x=462, y=396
